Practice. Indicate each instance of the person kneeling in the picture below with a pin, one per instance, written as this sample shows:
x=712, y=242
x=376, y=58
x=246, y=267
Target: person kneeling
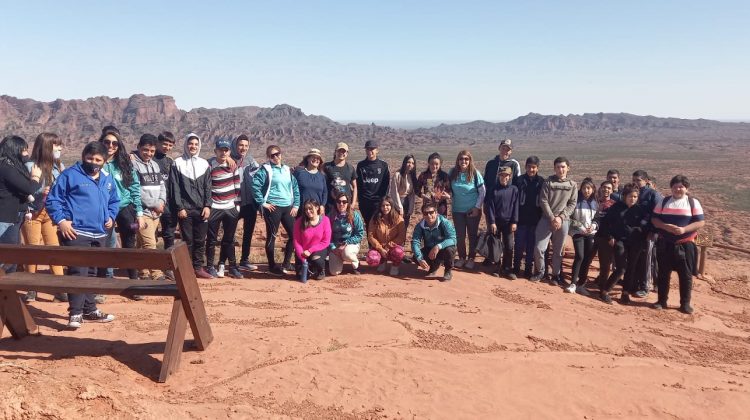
x=439, y=238
x=387, y=234
x=84, y=203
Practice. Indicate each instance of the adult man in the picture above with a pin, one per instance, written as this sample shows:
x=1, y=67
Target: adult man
x=647, y=198
x=247, y=166
x=502, y=159
x=678, y=219
x=433, y=242
x=340, y=176
x=373, y=178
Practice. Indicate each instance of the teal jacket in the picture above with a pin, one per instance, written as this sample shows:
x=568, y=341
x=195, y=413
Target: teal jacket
x=129, y=195
x=262, y=181
x=343, y=232
x=443, y=234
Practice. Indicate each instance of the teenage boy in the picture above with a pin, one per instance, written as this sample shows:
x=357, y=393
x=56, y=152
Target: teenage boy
x=153, y=197
x=613, y=176
x=434, y=241
x=529, y=212
x=558, y=201
x=225, y=193
x=83, y=203
x=190, y=181
x=373, y=178
x=647, y=198
x=678, y=219
x=340, y=176
x=503, y=159
x=501, y=212
x=168, y=219
x=247, y=167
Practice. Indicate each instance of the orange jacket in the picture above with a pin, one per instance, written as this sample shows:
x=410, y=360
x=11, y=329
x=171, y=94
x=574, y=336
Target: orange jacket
x=380, y=234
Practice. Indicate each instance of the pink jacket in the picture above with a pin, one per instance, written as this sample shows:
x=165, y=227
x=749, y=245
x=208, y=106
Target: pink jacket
x=313, y=239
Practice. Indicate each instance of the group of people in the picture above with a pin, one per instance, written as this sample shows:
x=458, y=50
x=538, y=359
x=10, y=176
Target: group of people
x=327, y=209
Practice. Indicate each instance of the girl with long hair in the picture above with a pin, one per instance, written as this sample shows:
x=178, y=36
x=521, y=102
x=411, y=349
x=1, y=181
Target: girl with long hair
x=312, y=237
x=402, y=190
x=468, y=190
x=387, y=234
x=583, y=228
x=347, y=230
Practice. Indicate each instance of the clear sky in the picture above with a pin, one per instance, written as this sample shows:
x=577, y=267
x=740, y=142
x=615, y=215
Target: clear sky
x=402, y=60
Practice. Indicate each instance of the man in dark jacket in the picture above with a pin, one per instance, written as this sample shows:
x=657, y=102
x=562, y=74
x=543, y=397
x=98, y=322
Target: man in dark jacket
x=501, y=211
x=373, y=178
x=492, y=168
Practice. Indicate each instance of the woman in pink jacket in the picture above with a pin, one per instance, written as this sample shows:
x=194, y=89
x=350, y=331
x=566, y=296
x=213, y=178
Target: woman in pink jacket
x=312, y=236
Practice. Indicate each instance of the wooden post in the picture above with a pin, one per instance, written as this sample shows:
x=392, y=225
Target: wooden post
x=175, y=341
x=190, y=294
x=14, y=315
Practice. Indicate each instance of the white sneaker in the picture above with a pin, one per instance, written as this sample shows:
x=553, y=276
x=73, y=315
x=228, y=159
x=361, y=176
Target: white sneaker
x=459, y=263
x=469, y=265
x=220, y=271
x=381, y=268
x=75, y=321
x=571, y=288
x=394, y=271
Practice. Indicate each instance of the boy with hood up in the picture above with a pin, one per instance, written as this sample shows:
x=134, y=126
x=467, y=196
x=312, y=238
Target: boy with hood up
x=153, y=197
x=190, y=182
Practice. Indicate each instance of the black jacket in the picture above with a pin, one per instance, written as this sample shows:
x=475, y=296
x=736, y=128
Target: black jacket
x=15, y=187
x=627, y=224
x=529, y=209
x=490, y=171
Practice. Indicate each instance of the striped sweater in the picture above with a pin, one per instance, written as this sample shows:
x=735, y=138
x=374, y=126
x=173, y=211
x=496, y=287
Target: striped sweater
x=225, y=185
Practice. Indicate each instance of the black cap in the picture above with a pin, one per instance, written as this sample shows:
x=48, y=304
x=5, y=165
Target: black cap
x=371, y=144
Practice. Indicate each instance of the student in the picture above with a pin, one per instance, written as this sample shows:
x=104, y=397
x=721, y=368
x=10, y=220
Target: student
x=312, y=237
x=153, y=197
x=311, y=181
x=583, y=228
x=277, y=193
x=225, y=203
x=678, y=218
x=247, y=166
x=613, y=176
x=402, y=190
x=603, y=248
x=434, y=242
x=84, y=203
x=387, y=235
x=340, y=177
x=529, y=212
x=647, y=197
x=168, y=218
x=558, y=200
x=16, y=185
x=347, y=231
x=501, y=212
x=130, y=217
x=625, y=226
x=38, y=228
x=373, y=178
x=502, y=159
x=190, y=184
x=468, y=191
x=433, y=185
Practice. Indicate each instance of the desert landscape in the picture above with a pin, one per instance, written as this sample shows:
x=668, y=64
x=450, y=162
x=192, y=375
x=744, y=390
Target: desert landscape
x=373, y=346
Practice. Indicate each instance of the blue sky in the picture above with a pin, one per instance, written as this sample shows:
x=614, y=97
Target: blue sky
x=381, y=60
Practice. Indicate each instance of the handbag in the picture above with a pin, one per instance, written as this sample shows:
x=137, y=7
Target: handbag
x=490, y=247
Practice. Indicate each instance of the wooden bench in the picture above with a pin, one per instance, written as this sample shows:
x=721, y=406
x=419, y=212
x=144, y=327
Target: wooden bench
x=187, y=307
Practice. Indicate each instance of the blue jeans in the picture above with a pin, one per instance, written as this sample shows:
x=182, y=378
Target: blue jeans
x=524, y=247
x=10, y=233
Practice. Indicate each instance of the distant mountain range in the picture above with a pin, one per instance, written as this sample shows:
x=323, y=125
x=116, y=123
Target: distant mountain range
x=79, y=121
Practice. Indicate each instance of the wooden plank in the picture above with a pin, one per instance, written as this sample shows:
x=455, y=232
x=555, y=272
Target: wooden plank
x=14, y=315
x=175, y=341
x=50, y=283
x=87, y=256
x=190, y=294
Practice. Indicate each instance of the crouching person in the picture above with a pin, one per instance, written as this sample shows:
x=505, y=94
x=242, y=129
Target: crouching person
x=434, y=241
x=386, y=235
x=84, y=203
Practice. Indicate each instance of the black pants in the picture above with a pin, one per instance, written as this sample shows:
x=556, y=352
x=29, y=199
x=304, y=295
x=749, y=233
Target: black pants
x=226, y=219
x=606, y=254
x=445, y=255
x=248, y=214
x=627, y=256
x=82, y=303
x=642, y=269
x=274, y=219
x=507, y=237
x=367, y=208
x=124, y=221
x=680, y=258
x=193, y=229
x=168, y=226
x=585, y=249
x=406, y=205
x=316, y=262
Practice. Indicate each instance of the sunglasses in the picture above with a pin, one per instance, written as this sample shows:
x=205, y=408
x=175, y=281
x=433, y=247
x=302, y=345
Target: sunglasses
x=428, y=212
x=277, y=154
x=464, y=159
x=342, y=201
x=111, y=142
x=342, y=151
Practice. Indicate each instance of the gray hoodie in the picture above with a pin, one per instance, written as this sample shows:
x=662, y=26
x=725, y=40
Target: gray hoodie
x=153, y=189
x=558, y=197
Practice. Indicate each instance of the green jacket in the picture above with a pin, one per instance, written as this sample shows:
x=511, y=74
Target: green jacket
x=443, y=234
x=129, y=195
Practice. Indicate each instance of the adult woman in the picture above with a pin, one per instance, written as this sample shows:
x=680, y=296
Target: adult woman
x=583, y=227
x=38, y=228
x=312, y=236
x=604, y=201
x=276, y=191
x=311, y=180
x=468, y=190
x=16, y=185
x=120, y=167
x=387, y=234
x=433, y=185
x=347, y=230
x=402, y=190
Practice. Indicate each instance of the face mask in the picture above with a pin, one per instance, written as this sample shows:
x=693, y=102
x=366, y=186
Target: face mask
x=91, y=168
x=56, y=154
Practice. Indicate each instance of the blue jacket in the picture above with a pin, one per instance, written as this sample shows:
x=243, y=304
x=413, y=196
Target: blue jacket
x=87, y=203
x=501, y=205
x=442, y=234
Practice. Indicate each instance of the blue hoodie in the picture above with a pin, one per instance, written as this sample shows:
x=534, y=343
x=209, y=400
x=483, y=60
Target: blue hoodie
x=86, y=202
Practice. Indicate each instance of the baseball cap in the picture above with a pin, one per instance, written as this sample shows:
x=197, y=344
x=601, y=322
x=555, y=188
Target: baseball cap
x=505, y=170
x=342, y=145
x=223, y=144
x=506, y=142
x=371, y=144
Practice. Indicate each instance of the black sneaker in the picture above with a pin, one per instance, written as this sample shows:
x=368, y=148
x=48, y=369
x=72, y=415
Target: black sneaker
x=431, y=275
x=511, y=276
x=497, y=273
x=686, y=309
x=641, y=294
x=60, y=297
x=604, y=296
x=98, y=316
x=536, y=277
x=659, y=306
x=356, y=271
x=447, y=276
x=625, y=298
x=276, y=271
x=235, y=273
x=320, y=276
x=30, y=296
x=289, y=268
x=169, y=275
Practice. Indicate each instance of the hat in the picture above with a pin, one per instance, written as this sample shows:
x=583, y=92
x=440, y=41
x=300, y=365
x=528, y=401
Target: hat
x=505, y=170
x=371, y=144
x=314, y=152
x=506, y=142
x=223, y=144
x=342, y=145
